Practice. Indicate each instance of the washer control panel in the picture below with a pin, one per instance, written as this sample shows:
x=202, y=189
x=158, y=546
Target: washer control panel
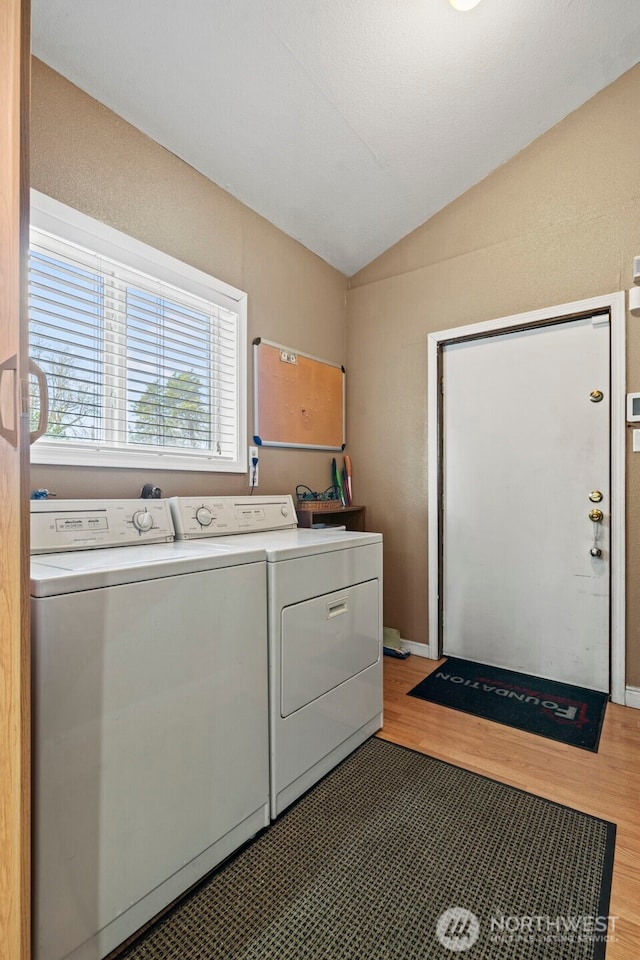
x=59, y=525
x=194, y=518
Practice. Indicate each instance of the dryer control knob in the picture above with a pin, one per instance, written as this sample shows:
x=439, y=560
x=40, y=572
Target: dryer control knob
x=284, y=511
x=142, y=521
x=204, y=516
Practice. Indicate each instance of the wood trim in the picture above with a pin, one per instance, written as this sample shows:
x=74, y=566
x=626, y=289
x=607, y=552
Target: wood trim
x=14, y=480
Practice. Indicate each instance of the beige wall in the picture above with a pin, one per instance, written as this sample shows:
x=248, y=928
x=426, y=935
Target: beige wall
x=87, y=157
x=559, y=222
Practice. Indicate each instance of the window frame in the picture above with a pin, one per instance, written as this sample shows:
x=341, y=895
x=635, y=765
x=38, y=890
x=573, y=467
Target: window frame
x=70, y=225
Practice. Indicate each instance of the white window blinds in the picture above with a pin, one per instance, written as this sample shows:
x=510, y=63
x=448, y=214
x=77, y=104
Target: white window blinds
x=138, y=368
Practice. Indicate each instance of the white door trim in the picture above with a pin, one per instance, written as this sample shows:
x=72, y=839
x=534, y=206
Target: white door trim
x=615, y=304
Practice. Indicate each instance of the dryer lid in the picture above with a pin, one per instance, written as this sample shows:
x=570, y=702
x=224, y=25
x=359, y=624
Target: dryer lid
x=290, y=544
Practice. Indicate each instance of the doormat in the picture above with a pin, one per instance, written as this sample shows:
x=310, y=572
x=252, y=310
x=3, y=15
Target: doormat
x=398, y=856
x=559, y=711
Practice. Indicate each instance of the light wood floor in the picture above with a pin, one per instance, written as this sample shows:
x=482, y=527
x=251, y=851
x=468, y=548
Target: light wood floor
x=605, y=784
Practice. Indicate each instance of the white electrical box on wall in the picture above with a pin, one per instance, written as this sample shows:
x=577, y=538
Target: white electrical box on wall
x=633, y=408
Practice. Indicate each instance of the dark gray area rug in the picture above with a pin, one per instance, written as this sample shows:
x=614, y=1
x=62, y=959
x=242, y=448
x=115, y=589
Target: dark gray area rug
x=398, y=855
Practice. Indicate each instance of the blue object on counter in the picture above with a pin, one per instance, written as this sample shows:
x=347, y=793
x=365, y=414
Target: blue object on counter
x=40, y=494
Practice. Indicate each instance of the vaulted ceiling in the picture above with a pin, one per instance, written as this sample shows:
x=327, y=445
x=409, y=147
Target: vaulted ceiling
x=346, y=123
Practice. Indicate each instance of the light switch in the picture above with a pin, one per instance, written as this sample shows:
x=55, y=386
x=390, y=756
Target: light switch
x=636, y=441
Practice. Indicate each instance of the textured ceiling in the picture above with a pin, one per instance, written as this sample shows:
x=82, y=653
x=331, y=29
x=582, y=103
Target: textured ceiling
x=346, y=123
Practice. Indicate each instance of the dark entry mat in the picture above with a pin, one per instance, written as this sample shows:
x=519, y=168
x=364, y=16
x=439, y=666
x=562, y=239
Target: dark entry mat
x=398, y=856
x=559, y=711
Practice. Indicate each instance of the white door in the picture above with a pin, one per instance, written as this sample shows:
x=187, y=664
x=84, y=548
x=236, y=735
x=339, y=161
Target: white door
x=525, y=445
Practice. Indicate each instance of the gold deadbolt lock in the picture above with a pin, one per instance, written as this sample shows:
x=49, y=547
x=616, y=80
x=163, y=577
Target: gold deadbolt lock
x=595, y=496
x=596, y=396
x=597, y=516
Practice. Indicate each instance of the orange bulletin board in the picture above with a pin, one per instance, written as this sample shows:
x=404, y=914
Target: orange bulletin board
x=298, y=399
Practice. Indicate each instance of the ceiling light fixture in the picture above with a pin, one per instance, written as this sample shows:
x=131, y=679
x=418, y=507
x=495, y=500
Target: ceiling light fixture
x=464, y=4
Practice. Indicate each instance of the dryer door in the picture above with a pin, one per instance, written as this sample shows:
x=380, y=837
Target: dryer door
x=326, y=641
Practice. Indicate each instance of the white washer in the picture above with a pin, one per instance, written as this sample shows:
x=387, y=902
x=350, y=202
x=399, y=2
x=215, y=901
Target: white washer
x=325, y=632
x=150, y=717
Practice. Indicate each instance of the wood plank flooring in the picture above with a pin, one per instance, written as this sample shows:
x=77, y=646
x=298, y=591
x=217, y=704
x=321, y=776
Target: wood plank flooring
x=605, y=784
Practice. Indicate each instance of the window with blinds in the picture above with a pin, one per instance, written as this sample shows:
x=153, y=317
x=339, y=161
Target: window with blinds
x=142, y=370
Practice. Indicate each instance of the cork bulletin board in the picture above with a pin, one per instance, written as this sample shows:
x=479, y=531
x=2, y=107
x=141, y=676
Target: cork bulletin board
x=298, y=399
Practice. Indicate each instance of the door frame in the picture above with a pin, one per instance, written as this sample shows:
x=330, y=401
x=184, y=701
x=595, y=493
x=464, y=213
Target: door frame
x=614, y=303
x=15, y=896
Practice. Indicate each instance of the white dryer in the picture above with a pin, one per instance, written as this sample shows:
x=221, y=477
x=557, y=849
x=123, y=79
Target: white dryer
x=325, y=632
x=150, y=717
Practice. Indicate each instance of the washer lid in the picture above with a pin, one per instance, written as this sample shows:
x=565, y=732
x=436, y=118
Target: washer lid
x=55, y=574
x=289, y=544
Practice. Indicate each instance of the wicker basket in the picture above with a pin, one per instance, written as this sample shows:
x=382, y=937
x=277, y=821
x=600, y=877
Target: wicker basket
x=317, y=505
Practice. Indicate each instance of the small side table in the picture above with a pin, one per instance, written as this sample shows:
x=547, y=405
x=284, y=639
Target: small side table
x=353, y=518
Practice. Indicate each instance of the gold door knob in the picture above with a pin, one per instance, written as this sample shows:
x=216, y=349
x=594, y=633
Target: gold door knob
x=595, y=496
x=596, y=396
x=597, y=516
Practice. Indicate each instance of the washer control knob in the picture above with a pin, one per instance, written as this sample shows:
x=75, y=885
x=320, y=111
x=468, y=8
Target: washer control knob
x=142, y=521
x=204, y=516
x=284, y=511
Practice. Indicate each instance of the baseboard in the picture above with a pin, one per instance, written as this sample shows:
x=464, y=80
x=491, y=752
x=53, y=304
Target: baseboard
x=419, y=649
x=632, y=697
